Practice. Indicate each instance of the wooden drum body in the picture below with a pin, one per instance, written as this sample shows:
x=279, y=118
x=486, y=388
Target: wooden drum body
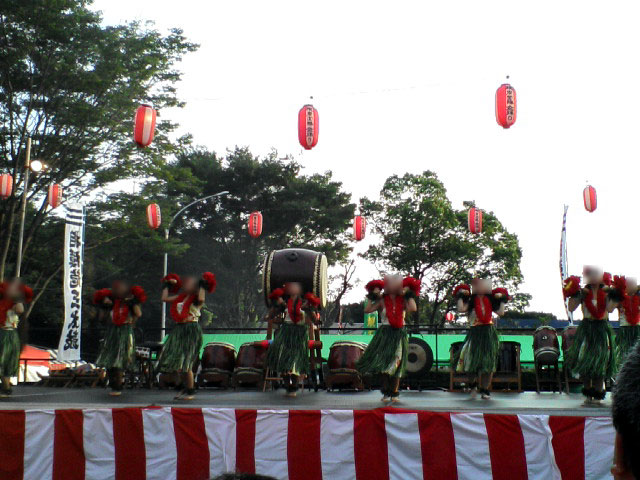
x=307, y=267
x=342, y=365
x=546, y=347
x=218, y=363
x=250, y=364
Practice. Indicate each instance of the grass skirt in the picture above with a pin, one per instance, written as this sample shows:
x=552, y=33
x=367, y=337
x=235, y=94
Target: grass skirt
x=181, y=351
x=289, y=352
x=626, y=338
x=479, y=353
x=592, y=352
x=119, y=349
x=9, y=352
x=387, y=353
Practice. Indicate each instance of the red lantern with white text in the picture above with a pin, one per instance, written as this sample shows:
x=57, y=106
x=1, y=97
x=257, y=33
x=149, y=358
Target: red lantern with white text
x=154, y=219
x=590, y=198
x=308, y=124
x=145, y=125
x=475, y=220
x=450, y=317
x=6, y=185
x=54, y=198
x=506, y=105
x=255, y=224
x=359, y=227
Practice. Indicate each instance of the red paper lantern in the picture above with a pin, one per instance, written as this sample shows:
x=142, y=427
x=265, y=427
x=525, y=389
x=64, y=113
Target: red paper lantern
x=145, y=125
x=255, y=224
x=54, y=198
x=506, y=105
x=154, y=219
x=475, y=220
x=450, y=317
x=590, y=198
x=308, y=124
x=6, y=185
x=359, y=227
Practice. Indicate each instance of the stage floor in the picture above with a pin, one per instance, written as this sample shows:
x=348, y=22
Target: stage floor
x=531, y=403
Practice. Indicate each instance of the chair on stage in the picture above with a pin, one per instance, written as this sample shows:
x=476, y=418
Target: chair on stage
x=546, y=356
x=509, y=370
x=455, y=377
x=568, y=336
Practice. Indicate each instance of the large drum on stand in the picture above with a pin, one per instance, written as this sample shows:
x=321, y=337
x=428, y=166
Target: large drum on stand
x=307, y=267
x=546, y=347
x=342, y=365
x=250, y=364
x=218, y=363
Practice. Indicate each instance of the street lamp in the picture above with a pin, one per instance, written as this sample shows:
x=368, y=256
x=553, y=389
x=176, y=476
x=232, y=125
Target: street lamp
x=166, y=255
x=29, y=166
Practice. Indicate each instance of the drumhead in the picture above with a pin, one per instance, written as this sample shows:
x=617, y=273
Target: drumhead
x=221, y=344
x=344, y=343
x=420, y=357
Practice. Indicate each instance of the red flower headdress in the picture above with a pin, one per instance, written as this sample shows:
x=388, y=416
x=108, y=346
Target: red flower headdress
x=501, y=294
x=312, y=300
x=210, y=282
x=373, y=284
x=571, y=286
x=276, y=294
x=100, y=295
x=174, y=287
x=413, y=284
x=463, y=289
x=139, y=294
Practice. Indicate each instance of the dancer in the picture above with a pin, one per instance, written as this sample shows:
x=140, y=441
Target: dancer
x=181, y=350
x=123, y=306
x=625, y=297
x=13, y=296
x=592, y=353
x=479, y=354
x=288, y=355
x=387, y=352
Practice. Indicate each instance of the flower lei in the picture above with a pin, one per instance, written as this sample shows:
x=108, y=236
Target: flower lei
x=483, y=310
x=394, y=310
x=120, y=312
x=597, y=312
x=631, y=307
x=297, y=315
x=180, y=317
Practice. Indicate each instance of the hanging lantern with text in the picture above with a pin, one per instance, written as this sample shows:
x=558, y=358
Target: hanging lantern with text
x=475, y=220
x=506, y=105
x=308, y=124
x=6, y=185
x=590, y=198
x=255, y=224
x=154, y=219
x=145, y=125
x=54, y=198
x=359, y=227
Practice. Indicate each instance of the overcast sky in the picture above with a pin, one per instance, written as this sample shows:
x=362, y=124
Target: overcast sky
x=409, y=86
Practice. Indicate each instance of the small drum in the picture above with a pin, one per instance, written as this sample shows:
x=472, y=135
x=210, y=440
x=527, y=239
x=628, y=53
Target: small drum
x=508, y=357
x=219, y=356
x=295, y=265
x=546, y=347
x=568, y=335
x=344, y=355
x=420, y=358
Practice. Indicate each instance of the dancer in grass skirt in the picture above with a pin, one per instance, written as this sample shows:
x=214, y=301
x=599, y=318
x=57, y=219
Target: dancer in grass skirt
x=624, y=296
x=122, y=305
x=592, y=354
x=13, y=297
x=387, y=352
x=479, y=354
x=181, y=351
x=288, y=355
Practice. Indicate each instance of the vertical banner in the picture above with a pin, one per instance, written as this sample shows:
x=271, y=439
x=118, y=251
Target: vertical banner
x=564, y=268
x=69, y=346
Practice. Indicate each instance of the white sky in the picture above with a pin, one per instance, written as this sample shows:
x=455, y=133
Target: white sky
x=409, y=86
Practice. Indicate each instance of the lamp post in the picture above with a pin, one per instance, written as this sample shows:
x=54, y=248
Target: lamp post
x=166, y=255
x=29, y=166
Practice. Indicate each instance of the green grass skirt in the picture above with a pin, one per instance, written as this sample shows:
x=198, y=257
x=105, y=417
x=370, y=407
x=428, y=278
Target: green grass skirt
x=181, y=351
x=592, y=353
x=9, y=352
x=626, y=338
x=479, y=353
x=118, y=349
x=289, y=352
x=386, y=353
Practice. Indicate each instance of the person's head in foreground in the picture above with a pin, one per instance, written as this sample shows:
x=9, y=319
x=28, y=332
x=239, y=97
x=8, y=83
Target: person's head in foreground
x=626, y=418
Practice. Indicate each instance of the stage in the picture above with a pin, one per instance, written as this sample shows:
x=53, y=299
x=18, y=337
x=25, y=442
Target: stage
x=78, y=434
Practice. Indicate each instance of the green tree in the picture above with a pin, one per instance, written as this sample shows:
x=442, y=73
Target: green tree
x=422, y=235
x=73, y=84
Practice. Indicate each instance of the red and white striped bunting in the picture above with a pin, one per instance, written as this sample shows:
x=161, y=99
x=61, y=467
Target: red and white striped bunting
x=193, y=443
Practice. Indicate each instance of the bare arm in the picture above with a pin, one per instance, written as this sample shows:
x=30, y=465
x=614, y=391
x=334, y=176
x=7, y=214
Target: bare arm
x=18, y=308
x=166, y=297
x=201, y=295
x=371, y=307
x=137, y=312
x=574, y=302
x=410, y=305
x=462, y=306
